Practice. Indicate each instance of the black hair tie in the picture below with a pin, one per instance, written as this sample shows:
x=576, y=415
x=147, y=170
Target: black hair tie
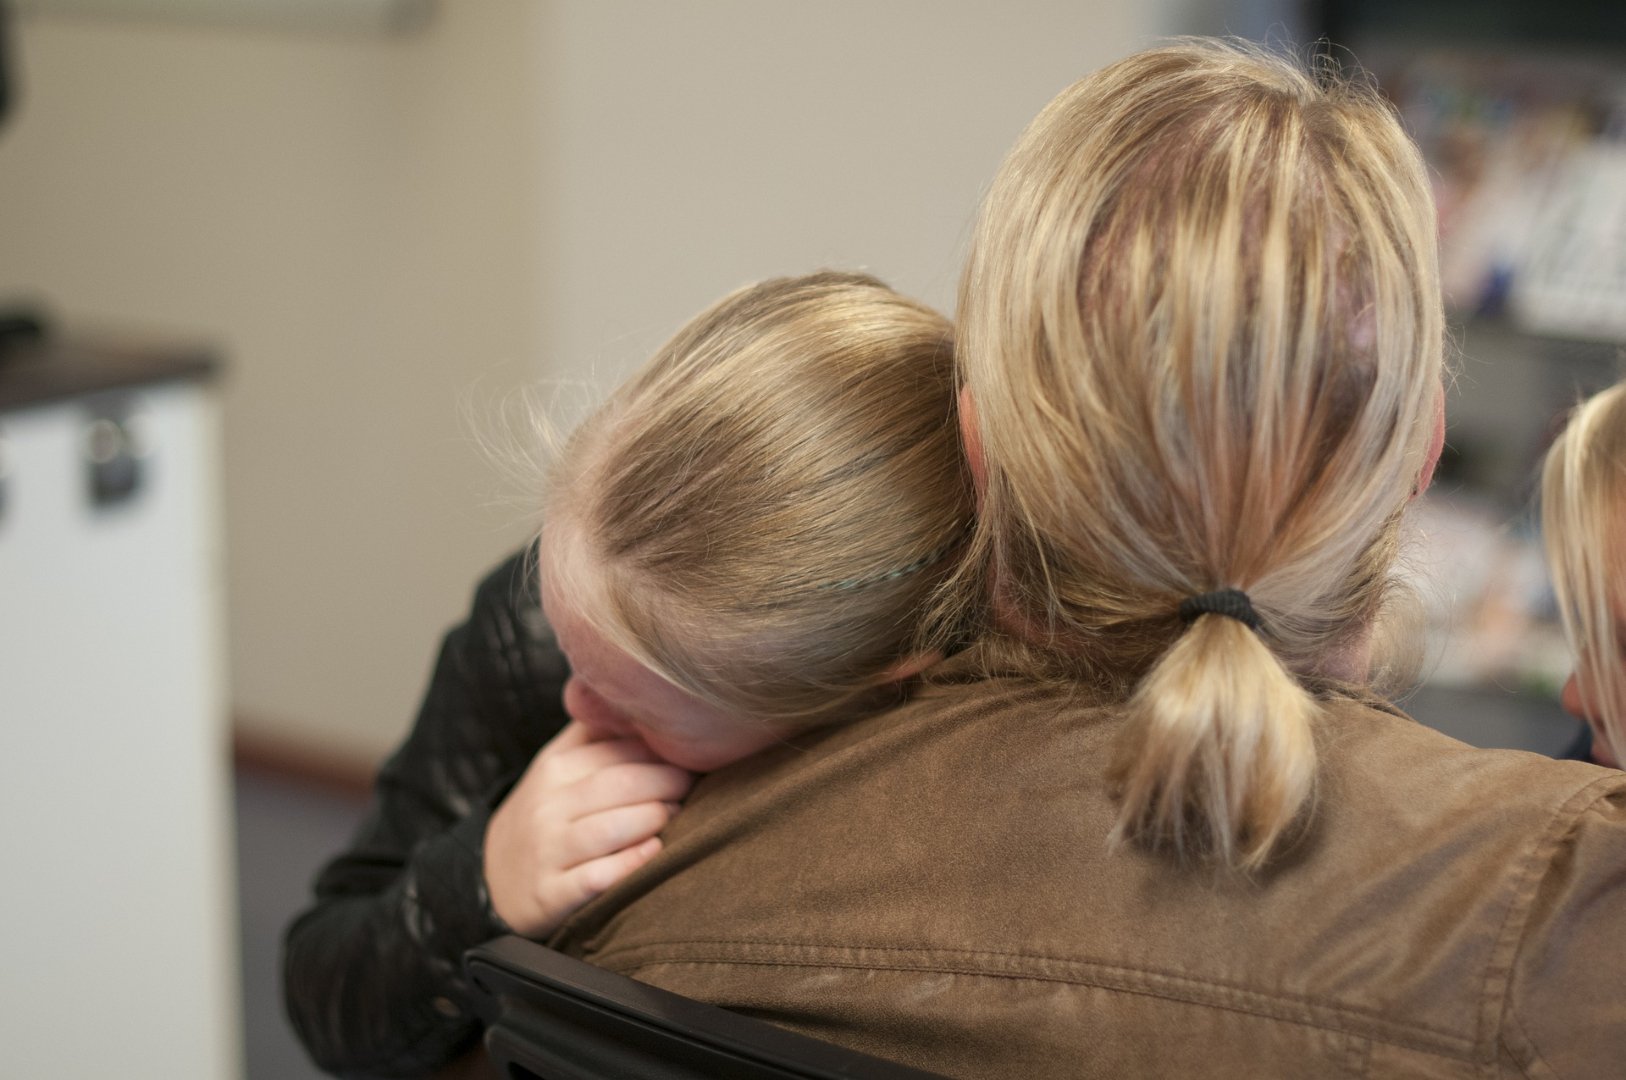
x=1231, y=603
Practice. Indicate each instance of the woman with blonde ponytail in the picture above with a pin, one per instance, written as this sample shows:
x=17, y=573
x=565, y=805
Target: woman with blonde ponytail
x=1203, y=333
x=1159, y=819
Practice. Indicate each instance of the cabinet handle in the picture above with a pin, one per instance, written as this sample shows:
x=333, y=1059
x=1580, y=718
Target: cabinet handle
x=114, y=447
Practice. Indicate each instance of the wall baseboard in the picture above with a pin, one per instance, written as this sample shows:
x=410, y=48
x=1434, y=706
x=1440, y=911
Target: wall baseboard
x=299, y=762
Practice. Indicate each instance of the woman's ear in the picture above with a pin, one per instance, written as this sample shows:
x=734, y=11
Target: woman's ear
x=971, y=440
x=1436, y=445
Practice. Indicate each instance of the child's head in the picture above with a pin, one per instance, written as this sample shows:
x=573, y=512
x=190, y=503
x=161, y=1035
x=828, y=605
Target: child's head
x=1583, y=497
x=742, y=540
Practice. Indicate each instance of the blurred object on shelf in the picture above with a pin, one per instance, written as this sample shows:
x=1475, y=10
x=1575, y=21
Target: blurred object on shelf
x=1509, y=394
x=1473, y=552
x=1520, y=110
x=1528, y=154
x=1573, y=282
x=1490, y=617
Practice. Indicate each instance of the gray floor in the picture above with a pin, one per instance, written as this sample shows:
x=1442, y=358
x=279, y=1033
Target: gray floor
x=285, y=830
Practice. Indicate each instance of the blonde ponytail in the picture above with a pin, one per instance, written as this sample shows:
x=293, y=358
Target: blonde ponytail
x=1202, y=328
x=1218, y=754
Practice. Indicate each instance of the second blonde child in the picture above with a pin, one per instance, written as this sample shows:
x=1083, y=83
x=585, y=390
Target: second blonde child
x=1583, y=496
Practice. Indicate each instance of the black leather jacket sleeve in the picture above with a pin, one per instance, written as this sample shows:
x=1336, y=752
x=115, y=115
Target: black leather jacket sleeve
x=372, y=971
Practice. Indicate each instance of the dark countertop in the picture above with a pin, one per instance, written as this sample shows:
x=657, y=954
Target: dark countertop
x=34, y=373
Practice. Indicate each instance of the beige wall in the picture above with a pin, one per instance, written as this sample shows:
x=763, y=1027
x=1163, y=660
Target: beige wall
x=699, y=144
x=353, y=220
x=379, y=231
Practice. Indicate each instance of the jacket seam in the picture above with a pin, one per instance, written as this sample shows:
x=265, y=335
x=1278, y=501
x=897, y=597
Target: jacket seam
x=1510, y=936
x=1361, y=1066
x=1531, y=1063
x=1367, y=1023
x=1283, y=1016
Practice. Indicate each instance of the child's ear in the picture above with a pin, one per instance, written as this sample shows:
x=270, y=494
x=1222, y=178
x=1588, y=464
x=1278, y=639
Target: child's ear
x=907, y=668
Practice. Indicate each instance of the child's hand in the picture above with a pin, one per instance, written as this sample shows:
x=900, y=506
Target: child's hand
x=584, y=815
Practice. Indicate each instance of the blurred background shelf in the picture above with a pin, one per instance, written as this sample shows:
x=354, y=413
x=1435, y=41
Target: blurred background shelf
x=1520, y=111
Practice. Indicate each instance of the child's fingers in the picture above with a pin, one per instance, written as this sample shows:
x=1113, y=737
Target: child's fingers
x=581, y=883
x=571, y=736
x=573, y=762
x=573, y=739
x=568, y=890
x=608, y=831
x=625, y=785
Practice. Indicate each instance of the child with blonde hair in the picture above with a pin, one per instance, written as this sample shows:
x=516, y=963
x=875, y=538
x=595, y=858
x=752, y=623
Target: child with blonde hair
x=740, y=545
x=1583, y=500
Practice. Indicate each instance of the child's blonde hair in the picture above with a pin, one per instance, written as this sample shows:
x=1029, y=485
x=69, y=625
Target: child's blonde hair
x=765, y=509
x=1583, y=514
x=1202, y=328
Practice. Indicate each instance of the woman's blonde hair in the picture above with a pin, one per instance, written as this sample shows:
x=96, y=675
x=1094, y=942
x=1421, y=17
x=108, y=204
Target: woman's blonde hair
x=765, y=508
x=1583, y=509
x=1202, y=328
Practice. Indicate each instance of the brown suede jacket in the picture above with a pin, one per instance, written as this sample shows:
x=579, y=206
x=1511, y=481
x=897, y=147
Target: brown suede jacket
x=933, y=885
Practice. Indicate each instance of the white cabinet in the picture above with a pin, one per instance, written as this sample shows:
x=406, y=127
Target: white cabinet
x=116, y=916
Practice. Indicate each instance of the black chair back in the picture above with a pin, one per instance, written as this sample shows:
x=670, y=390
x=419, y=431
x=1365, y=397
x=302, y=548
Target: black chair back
x=552, y=1017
